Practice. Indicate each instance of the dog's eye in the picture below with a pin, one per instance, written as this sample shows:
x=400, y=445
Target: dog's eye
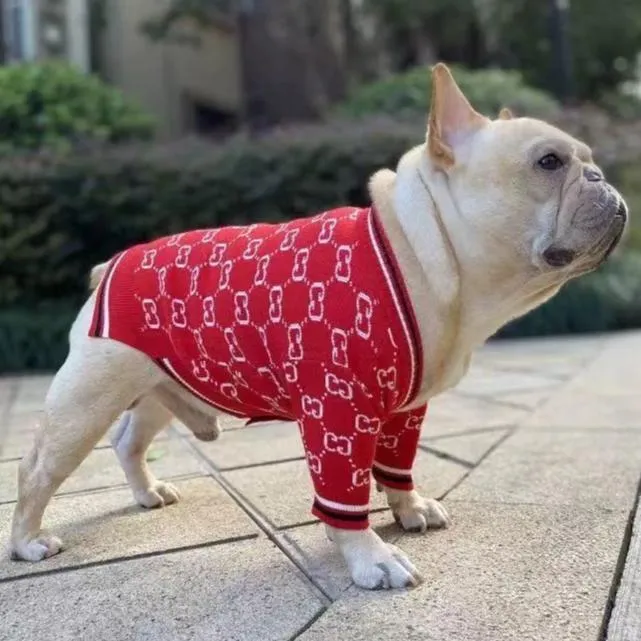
x=550, y=162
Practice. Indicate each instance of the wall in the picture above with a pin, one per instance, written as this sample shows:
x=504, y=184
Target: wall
x=164, y=78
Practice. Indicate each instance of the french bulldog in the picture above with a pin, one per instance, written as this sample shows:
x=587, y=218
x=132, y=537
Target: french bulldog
x=348, y=322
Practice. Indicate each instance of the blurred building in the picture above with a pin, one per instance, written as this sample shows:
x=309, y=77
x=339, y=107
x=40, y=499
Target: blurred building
x=269, y=61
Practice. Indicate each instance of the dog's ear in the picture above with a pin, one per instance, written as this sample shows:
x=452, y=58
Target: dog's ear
x=452, y=119
x=505, y=114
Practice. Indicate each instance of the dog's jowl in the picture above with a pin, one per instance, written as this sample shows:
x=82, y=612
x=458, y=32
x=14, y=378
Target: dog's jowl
x=346, y=321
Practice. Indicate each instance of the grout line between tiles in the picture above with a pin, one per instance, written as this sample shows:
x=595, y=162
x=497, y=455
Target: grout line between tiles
x=121, y=486
x=125, y=559
x=263, y=522
x=619, y=568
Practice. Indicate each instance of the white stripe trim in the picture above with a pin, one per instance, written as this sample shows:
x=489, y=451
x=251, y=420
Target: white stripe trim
x=105, y=297
x=341, y=506
x=391, y=470
x=195, y=392
x=399, y=308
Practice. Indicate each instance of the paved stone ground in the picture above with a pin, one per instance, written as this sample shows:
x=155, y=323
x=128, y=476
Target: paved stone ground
x=537, y=455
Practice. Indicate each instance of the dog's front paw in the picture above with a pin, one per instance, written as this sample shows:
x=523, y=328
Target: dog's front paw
x=37, y=549
x=416, y=514
x=374, y=564
x=158, y=495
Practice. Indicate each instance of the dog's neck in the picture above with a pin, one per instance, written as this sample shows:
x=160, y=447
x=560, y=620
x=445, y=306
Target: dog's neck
x=461, y=295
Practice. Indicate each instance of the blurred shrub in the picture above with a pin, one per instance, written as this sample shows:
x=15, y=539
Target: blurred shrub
x=35, y=338
x=52, y=105
x=61, y=214
x=407, y=94
x=605, y=300
x=605, y=40
x=621, y=105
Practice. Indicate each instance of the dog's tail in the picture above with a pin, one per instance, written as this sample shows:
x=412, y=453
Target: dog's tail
x=96, y=275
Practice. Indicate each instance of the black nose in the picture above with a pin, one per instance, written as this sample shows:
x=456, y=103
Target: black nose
x=556, y=257
x=592, y=174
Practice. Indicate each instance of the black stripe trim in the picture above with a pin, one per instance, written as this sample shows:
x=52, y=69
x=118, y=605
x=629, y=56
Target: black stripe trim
x=406, y=303
x=390, y=476
x=345, y=516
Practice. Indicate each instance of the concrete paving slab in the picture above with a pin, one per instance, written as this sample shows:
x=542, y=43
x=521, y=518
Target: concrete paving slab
x=501, y=573
x=480, y=381
x=469, y=447
x=8, y=389
x=588, y=468
x=584, y=409
x=108, y=525
x=244, y=591
x=283, y=492
x=31, y=393
x=605, y=394
x=309, y=545
x=253, y=445
x=531, y=400
x=101, y=469
x=453, y=413
x=19, y=439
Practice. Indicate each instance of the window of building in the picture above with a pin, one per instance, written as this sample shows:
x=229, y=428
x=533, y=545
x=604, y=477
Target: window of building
x=208, y=120
x=18, y=30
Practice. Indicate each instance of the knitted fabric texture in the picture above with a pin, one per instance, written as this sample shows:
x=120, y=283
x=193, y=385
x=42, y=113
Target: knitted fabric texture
x=307, y=321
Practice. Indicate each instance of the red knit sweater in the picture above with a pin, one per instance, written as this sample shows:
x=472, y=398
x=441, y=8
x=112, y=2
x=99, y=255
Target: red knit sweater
x=307, y=320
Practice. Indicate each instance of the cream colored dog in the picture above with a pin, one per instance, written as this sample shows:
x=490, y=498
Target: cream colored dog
x=487, y=219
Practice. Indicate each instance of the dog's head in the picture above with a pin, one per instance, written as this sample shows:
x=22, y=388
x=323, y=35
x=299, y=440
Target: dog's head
x=523, y=186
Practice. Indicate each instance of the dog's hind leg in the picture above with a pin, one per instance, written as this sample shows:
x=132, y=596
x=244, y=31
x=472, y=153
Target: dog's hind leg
x=131, y=439
x=98, y=381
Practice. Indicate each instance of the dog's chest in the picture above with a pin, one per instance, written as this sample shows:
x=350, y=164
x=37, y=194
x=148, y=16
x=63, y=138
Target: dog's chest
x=269, y=320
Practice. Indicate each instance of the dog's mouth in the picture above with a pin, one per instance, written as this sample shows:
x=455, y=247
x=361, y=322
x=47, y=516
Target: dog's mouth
x=618, y=225
x=558, y=258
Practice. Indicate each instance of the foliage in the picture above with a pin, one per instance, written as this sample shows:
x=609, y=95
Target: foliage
x=35, y=338
x=608, y=299
x=52, y=105
x=605, y=39
x=61, y=215
x=416, y=31
x=201, y=12
x=407, y=94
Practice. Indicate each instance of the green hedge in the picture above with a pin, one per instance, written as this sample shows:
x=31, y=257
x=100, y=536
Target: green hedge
x=61, y=215
x=406, y=94
x=53, y=105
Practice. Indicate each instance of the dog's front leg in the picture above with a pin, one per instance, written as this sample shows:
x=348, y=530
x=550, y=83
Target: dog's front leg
x=340, y=464
x=395, y=454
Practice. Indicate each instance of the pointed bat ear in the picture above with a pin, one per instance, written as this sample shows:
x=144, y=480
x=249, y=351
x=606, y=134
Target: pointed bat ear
x=505, y=114
x=452, y=119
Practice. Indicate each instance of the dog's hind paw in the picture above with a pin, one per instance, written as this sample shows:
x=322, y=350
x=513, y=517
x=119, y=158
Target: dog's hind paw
x=36, y=549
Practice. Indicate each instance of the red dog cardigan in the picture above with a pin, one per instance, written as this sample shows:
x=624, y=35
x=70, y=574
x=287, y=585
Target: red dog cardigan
x=307, y=320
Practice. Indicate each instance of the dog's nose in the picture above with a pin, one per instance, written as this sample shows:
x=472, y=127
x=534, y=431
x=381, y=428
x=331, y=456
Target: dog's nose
x=592, y=174
x=557, y=257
